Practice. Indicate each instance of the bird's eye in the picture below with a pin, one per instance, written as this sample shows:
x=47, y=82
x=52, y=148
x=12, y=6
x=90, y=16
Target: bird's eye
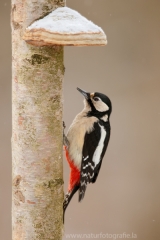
x=96, y=99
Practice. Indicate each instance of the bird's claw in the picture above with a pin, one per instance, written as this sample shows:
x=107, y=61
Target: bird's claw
x=65, y=140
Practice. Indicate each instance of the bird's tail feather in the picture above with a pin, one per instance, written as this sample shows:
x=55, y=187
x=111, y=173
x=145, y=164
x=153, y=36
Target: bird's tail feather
x=82, y=189
x=68, y=198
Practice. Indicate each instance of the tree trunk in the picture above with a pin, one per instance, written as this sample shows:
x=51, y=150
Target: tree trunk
x=37, y=129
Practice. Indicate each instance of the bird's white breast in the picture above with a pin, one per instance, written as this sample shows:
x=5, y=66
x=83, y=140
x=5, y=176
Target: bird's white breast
x=76, y=134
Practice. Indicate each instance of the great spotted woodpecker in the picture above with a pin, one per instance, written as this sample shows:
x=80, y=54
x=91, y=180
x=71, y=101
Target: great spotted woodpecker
x=86, y=143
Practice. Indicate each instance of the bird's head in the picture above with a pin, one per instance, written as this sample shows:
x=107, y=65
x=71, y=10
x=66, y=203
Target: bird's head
x=97, y=104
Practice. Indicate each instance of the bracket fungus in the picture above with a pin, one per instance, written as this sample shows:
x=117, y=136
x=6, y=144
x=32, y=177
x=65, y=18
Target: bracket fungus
x=64, y=26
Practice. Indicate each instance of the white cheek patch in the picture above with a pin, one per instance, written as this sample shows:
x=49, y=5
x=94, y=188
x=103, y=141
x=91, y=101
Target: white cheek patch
x=101, y=106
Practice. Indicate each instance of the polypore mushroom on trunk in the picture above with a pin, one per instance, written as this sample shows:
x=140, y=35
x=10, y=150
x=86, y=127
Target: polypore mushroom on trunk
x=64, y=26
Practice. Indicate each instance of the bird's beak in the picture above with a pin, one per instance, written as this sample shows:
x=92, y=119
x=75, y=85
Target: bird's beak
x=85, y=94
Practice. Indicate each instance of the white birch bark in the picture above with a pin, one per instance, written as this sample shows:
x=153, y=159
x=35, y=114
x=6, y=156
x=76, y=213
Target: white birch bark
x=37, y=129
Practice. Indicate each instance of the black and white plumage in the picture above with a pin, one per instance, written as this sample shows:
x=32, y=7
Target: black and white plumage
x=88, y=138
x=93, y=154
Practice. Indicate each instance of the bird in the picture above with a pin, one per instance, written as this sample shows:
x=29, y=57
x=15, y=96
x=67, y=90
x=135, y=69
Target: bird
x=86, y=142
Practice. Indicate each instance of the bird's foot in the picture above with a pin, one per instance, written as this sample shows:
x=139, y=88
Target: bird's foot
x=65, y=140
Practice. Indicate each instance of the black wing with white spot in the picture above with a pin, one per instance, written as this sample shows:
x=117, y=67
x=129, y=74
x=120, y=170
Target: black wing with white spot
x=95, y=144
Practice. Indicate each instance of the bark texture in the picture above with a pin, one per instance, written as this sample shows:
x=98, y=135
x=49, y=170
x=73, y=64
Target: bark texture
x=37, y=129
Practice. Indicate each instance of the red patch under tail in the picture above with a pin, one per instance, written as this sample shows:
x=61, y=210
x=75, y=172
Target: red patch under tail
x=74, y=172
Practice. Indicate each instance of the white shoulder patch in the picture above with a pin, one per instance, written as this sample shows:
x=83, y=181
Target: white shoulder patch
x=99, y=149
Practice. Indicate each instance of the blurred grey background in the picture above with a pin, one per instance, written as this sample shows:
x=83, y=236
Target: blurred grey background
x=126, y=197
